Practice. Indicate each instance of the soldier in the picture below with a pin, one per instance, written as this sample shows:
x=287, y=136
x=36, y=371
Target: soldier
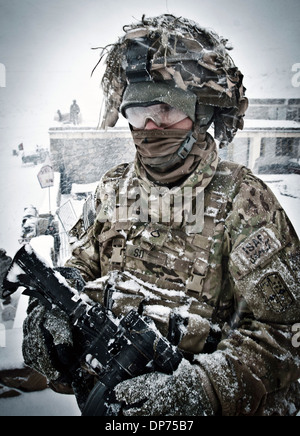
x=74, y=113
x=221, y=283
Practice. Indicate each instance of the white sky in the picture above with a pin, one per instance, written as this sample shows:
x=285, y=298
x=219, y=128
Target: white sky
x=45, y=46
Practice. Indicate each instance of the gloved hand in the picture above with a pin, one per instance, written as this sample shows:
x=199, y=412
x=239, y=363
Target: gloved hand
x=47, y=343
x=156, y=394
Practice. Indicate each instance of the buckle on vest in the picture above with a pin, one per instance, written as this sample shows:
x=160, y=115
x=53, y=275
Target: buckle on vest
x=195, y=283
x=118, y=248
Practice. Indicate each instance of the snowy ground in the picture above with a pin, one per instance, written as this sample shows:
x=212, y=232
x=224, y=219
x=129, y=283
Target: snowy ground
x=19, y=188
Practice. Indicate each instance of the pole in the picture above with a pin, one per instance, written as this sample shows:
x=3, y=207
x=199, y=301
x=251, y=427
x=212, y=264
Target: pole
x=49, y=201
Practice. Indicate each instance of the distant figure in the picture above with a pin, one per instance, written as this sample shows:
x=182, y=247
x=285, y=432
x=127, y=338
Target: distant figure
x=74, y=113
x=62, y=118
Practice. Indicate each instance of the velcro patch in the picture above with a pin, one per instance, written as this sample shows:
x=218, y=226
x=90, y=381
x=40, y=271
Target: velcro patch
x=276, y=293
x=256, y=251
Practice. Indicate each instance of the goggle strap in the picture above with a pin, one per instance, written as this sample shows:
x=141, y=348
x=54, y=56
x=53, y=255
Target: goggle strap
x=138, y=61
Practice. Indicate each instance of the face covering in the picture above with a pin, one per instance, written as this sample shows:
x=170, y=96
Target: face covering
x=157, y=153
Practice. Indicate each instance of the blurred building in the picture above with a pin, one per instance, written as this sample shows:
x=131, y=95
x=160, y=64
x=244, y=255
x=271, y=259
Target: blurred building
x=270, y=141
x=274, y=109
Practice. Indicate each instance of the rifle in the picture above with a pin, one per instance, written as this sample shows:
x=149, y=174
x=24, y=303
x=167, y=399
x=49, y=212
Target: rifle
x=113, y=349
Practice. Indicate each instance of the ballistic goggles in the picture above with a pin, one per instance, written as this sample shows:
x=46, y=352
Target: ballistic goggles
x=163, y=115
x=144, y=94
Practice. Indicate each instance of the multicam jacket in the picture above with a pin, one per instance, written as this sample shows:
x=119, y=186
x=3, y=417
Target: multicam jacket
x=225, y=289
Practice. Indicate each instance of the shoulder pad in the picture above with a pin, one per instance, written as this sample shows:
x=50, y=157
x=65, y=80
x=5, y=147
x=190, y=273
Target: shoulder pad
x=228, y=178
x=117, y=172
x=226, y=167
x=112, y=177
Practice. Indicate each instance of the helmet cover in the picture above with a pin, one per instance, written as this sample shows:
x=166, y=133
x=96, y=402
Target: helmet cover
x=180, y=54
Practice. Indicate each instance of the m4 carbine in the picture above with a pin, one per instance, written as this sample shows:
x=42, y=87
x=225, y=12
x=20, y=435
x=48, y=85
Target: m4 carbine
x=114, y=349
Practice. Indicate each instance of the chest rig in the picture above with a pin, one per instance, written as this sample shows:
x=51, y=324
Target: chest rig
x=163, y=253
x=181, y=275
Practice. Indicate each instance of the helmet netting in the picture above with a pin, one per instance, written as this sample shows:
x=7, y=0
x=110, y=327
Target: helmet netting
x=191, y=57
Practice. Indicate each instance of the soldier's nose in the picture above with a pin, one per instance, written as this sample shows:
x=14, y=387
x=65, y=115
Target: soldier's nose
x=150, y=125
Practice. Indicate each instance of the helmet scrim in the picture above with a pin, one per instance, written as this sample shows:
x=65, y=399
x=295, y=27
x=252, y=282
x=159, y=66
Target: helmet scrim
x=179, y=53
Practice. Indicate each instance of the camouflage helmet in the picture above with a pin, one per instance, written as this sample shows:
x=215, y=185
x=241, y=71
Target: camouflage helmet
x=181, y=54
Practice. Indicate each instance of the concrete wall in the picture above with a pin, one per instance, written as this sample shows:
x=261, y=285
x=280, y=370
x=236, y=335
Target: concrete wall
x=82, y=155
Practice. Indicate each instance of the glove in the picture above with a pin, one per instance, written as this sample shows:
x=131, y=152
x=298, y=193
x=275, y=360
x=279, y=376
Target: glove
x=156, y=394
x=47, y=343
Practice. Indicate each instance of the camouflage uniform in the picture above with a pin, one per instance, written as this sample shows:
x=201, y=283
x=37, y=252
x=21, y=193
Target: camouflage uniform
x=224, y=288
x=234, y=285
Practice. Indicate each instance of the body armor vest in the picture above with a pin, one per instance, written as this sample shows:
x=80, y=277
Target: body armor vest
x=182, y=275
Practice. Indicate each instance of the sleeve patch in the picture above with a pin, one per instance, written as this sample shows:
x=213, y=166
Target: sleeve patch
x=276, y=293
x=255, y=252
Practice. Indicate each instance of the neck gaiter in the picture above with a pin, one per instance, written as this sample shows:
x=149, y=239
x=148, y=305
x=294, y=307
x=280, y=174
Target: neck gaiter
x=157, y=152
